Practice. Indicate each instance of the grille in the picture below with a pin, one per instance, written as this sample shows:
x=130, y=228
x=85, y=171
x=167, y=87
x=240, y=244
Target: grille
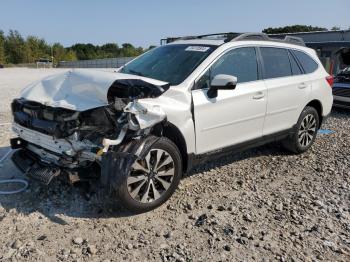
x=43, y=174
x=339, y=91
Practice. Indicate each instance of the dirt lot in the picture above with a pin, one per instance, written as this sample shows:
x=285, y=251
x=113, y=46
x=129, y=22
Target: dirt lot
x=263, y=204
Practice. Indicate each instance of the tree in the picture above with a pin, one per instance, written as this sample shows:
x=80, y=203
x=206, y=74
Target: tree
x=85, y=51
x=15, y=48
x=62, y=54
x=2, y=47
x=293, y=29
x=70, y=56
x=335, y=28
x=128, y=50
x=109, y=50
x=36, y=48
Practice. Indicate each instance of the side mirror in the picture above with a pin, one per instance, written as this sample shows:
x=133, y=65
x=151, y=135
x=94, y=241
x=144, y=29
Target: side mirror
x=221, y=81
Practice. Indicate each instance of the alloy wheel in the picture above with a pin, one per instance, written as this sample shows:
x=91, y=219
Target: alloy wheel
x=307, y=130
x=151, y=177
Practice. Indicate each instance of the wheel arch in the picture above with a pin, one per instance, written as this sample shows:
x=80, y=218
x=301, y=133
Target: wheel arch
x=170, y=131
x=319, y=108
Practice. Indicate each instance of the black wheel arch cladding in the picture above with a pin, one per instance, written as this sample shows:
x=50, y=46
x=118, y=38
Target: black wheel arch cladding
x=115, y=165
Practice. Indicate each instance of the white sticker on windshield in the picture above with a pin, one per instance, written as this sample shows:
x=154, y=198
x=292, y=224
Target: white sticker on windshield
x=197, y=48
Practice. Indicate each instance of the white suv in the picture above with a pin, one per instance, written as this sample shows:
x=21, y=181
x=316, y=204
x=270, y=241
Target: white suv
x=138, y=130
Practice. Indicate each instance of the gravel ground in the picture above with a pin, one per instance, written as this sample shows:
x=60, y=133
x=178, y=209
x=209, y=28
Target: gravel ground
x=263, y=204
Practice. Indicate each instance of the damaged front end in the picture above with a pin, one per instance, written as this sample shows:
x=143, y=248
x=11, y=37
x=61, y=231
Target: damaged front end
x=84, y=144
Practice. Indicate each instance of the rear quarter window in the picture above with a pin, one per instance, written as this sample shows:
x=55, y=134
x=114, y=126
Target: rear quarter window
x=296, y=70
x=309, y=65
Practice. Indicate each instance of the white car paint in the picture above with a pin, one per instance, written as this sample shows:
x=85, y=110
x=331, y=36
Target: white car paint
x=232, y=117
x=250, y=111
x=76, y=89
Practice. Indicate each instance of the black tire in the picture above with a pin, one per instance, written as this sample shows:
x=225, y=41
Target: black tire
x=136, y=206
x=292, y=143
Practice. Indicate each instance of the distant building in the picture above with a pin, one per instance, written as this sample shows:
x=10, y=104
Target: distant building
x=333, y=47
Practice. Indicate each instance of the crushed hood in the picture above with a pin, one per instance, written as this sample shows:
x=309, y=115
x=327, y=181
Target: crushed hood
x=83, y=89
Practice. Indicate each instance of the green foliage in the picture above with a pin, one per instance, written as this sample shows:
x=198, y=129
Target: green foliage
x=62, y=54
x=109, y=50
x=14, y=49
x=36, y=48
x=293, y=29
x=335, y=28
x=2, y=47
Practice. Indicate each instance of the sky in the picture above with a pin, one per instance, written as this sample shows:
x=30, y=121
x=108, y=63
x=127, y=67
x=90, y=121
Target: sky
x=145, y=22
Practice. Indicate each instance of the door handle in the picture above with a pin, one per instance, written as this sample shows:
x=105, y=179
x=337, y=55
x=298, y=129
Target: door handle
x=302, y=86
x=258, y=95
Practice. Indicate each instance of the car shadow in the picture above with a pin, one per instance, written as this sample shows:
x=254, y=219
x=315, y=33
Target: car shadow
x=271, y=149
x=60, y=199
x=338, y=112
x=56, y=201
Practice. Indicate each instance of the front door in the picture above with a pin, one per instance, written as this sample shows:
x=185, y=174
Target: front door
x=234, y=116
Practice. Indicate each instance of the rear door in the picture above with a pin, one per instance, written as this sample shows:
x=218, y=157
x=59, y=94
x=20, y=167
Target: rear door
x=234, y=116
x=288, y=89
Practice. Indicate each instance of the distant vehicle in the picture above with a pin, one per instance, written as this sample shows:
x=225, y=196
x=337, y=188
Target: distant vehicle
x=143, y=127
x=341, y=89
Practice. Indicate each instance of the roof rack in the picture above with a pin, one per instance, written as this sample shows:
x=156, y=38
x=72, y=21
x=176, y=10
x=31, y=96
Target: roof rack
x=217, y=36
x=232, y=37
x=264, y=37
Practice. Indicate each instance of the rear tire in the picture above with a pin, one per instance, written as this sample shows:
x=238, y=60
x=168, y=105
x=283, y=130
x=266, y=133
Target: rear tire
x=304, y=132
x=152, y=180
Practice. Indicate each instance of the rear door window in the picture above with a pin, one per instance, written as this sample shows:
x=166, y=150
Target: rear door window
x=276, y=62
x=306, y=61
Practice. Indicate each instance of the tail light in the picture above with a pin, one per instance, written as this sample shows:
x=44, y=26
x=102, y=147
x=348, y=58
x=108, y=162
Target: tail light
x=330, y=80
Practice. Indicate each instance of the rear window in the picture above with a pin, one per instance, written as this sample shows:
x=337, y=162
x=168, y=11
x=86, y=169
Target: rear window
x=276, y=62
x=306, y=61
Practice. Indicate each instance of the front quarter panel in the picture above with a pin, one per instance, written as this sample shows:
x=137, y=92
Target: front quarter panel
x=176, y=103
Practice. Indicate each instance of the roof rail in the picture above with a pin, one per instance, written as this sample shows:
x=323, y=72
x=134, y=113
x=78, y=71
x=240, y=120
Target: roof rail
x=227, y=37
x=231, y=36
x=264, y=37
x=251, y=36
x=212, y=36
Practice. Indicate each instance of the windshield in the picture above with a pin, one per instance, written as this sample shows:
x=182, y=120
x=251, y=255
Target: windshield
x=171, y=63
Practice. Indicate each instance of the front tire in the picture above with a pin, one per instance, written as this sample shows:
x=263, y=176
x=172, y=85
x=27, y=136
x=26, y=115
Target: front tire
x=152, y=180
x=304, y=133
